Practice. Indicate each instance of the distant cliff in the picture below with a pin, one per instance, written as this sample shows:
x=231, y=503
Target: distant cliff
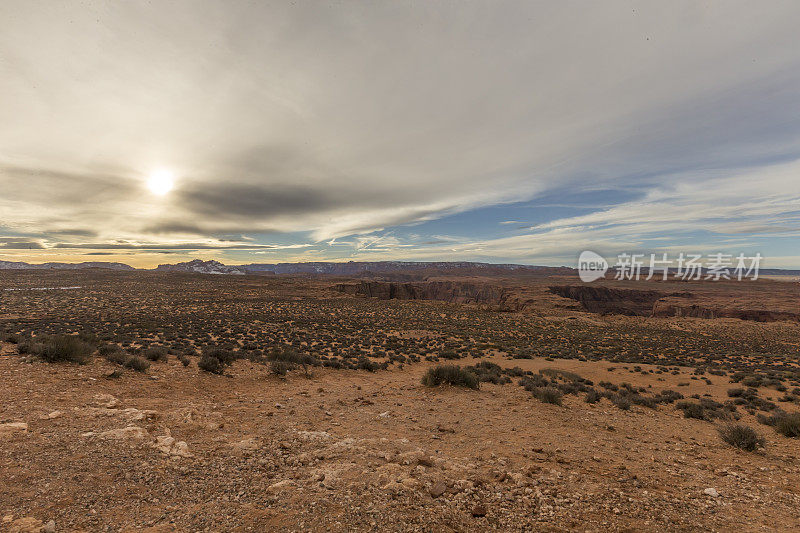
x=610, y=300
x=446, y=291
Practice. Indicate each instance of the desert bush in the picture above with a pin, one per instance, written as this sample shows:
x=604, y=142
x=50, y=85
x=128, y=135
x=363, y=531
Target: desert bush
x=593, y=396
x=706, y=409
x=555, y=373
x=621, y=402
x=608, y=385
x=106, y=349
x=644, y=401
x=139, y=364
x=117, y=357
x=156, y=353
x=211, y=364
x=668, y=396
x=532, y=382
x=364, y=363
x=787, y=424
x=279, y=368
x=65, y=348
x=488, y=372
x=290, y=359
x=29, y=346
x=13, y=338
x=451, y=375
x=215, y=360
x=548, y=395
x=449, y=354
x=184, y=359
x=742, y=437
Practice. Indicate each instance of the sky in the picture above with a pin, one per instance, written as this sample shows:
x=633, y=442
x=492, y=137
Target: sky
x=507, y=132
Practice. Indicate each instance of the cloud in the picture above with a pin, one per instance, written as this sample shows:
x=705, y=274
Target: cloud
x=326, y=121
x=14, y=243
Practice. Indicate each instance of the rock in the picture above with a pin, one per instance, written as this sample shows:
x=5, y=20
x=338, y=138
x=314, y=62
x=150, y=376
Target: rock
x=711, y=492
x=280, y=485
x=49, y=527
x=25, y=525
x=425, y=461
x=479, y=510
x=437, y=489
x=410, y=483
x=164, y=443
x=53, y=415
x=13, y=427
x=181, y=449
x=246, y=445
x=136, y=415
x=169, y=446
x=130, y=432
x=105, y=400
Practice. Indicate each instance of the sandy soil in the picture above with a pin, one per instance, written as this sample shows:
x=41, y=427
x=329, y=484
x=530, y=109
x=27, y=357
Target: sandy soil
x=347, y=450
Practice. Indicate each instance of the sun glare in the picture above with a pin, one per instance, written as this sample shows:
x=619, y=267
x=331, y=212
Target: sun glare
x=160, y=182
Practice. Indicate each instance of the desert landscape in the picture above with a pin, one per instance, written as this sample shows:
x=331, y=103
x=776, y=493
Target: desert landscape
x=184, y=401
x=391, y=266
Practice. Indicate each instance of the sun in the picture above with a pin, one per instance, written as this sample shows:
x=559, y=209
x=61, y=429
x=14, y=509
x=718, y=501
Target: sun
x=160, y=182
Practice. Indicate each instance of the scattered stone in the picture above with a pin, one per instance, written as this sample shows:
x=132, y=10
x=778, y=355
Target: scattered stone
x=479, y=510
x=425, y=461
x=105, y=400
x=437, y=489
x=169, y=446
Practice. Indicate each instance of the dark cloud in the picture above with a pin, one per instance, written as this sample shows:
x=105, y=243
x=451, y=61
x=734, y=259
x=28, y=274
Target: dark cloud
x=247, y=201
x=21, y=245
x=181, y=246
x=167, y=227
x=73, y=232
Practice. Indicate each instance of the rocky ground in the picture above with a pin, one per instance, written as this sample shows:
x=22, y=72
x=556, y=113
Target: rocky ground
x=178, y=449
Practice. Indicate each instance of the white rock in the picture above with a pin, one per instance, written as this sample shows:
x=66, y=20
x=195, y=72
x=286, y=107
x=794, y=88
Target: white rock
x=711, y=492
x=169, y=446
